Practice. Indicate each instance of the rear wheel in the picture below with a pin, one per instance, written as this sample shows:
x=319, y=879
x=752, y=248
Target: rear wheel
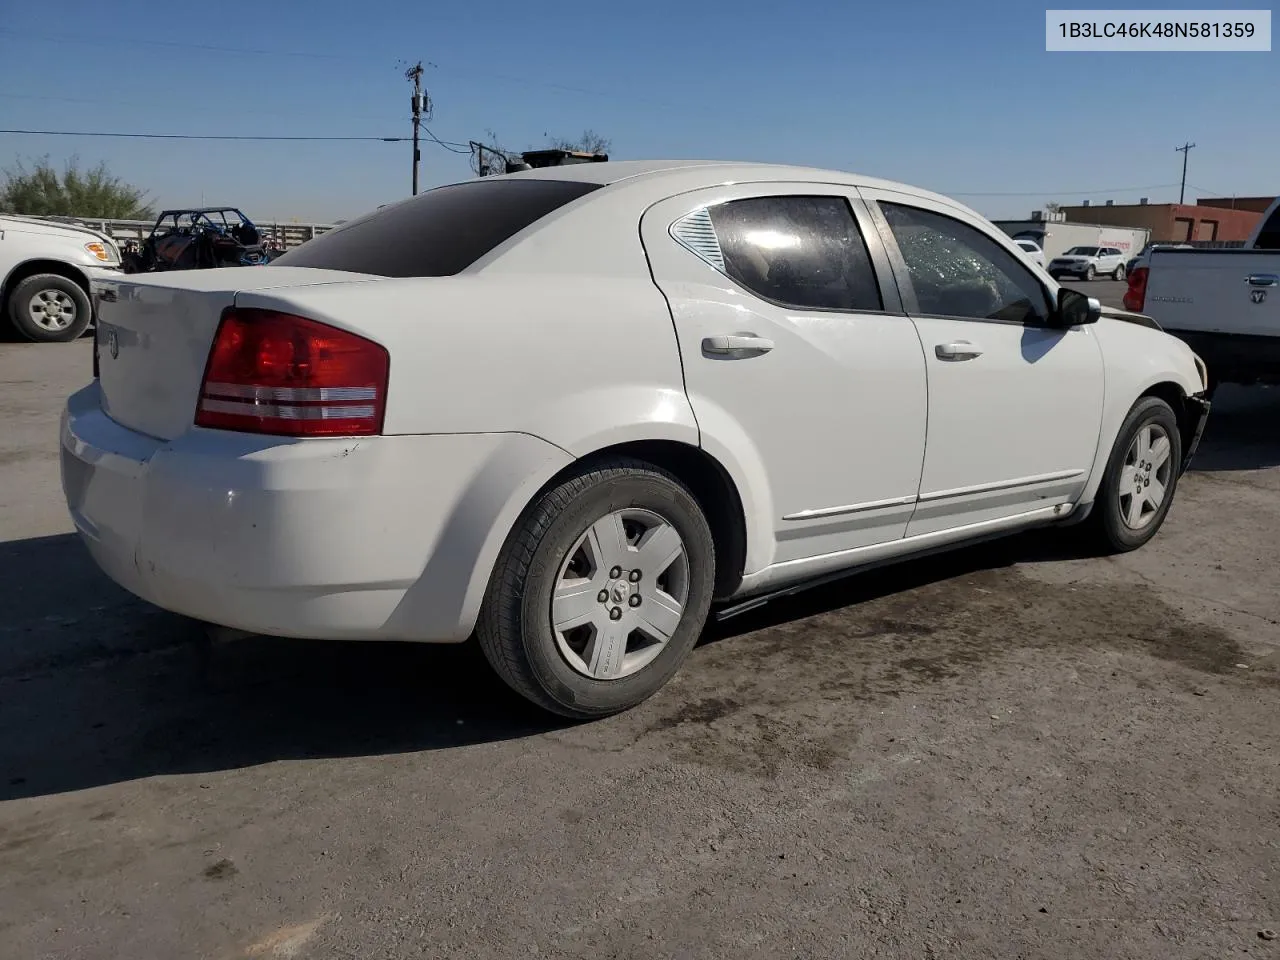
x=1142, y=475
x=49, y=308
x=601, y=590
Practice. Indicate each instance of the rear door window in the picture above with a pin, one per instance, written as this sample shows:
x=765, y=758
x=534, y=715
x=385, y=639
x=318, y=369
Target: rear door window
x=438, y=233
x=797, y=251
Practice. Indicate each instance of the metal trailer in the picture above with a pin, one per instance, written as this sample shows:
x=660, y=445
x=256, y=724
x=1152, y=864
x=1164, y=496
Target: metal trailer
x=1056, y=237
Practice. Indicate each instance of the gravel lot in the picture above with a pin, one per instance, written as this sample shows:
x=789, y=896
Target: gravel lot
x=1011, y=751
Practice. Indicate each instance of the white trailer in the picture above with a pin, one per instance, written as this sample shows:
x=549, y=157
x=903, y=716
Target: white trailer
x=1057, y=237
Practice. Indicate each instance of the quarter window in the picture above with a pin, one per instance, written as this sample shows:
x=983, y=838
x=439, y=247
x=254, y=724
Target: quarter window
x=797, y=251
x=958, y=271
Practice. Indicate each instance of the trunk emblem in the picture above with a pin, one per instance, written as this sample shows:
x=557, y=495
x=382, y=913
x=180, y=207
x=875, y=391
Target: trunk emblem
x=113, y=344
x=1258, y=296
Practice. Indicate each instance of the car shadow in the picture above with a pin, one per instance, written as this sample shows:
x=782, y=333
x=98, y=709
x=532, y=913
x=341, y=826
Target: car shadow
x=97, y=687
x=862, y=587
x=1242, y=432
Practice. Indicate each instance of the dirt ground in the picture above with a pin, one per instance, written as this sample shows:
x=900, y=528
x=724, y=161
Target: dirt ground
x=1011, y=751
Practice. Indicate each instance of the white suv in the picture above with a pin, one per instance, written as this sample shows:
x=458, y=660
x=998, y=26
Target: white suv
x=1088, y=262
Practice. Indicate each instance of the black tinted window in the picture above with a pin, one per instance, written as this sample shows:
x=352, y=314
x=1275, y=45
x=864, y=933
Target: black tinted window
x=958, y=271
x=438, y=233
x=1269, y=235
x=799, y=251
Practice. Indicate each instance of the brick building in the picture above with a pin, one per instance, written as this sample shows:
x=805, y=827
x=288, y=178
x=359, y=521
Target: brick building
x=1256, y=204
x=1178, y=222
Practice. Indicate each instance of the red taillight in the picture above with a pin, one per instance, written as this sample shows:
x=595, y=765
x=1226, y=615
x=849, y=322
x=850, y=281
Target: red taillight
x=276, y=373
x=1135, y=298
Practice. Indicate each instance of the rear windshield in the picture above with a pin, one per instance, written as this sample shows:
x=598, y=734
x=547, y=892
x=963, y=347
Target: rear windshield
x=438, y=233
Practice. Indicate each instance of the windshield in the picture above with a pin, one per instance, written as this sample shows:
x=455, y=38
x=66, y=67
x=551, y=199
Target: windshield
x=1082, y=252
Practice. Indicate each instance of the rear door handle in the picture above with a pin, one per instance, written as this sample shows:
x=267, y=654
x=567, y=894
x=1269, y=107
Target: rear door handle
x=957, y=350
x=1262, y=280
x=736, y=345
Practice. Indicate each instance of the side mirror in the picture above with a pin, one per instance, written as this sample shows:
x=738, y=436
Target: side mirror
x=1075, y=308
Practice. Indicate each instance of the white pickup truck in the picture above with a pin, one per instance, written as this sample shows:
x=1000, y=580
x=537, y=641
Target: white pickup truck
x=1224, y=303
x=47, y=271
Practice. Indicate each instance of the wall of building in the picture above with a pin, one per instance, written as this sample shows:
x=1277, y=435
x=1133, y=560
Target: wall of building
x=1256, y=204
x=1173, y=222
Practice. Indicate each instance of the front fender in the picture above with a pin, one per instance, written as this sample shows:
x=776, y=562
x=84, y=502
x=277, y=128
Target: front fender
x=1137, y=361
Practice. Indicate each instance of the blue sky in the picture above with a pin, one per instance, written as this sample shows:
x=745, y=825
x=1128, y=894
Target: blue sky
x=960, y=98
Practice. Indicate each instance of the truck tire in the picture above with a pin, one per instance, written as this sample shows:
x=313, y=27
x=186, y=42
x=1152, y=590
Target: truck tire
x=579, y=617
x=49, y=308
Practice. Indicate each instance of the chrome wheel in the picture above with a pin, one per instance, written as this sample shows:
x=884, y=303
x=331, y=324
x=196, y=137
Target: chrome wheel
x=52, y=310
x=1145, y=476
x=620, y=594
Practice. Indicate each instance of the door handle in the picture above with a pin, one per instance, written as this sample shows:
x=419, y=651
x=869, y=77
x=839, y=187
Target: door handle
x=1262, y=280
x=957, y=350
x=741, y=343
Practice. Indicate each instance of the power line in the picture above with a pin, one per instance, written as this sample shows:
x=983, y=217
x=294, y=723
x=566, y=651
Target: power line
x=181, y=45
x=450, y=145
x=190, y=136
x=187, y=106
x=524, y=81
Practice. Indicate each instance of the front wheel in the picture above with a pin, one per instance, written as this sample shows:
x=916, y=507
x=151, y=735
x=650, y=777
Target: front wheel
x=601, y=590
x=1142, y=474
x=1119, y=273
x=1089, y=272
x=50, y=308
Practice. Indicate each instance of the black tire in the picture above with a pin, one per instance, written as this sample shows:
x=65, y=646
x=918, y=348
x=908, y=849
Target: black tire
x=1108, y=527
x=1089, y=272
x=20, y=315
x=1119, y=273
x=514, y=628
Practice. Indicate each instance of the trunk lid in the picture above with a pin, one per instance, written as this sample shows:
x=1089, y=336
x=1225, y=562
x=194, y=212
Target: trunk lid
x=155, y=330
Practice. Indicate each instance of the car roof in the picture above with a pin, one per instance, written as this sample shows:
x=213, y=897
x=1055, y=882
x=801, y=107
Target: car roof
x=714, y=172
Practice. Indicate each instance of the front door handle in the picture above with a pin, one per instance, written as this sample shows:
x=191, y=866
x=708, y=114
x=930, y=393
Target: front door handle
x=1262, y=280
x=957, y=350
x=739, y=344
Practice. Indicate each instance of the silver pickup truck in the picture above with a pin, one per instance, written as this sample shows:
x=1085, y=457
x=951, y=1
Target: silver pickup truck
x=1224, y=303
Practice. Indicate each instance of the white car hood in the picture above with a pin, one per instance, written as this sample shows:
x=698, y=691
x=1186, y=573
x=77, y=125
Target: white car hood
x=50, y=228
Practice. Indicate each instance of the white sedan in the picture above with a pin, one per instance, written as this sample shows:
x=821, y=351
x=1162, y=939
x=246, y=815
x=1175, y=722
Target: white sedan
x=570, y=411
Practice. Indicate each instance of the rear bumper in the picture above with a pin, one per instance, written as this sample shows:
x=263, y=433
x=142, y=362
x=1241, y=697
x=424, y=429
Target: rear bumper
x=371, y=538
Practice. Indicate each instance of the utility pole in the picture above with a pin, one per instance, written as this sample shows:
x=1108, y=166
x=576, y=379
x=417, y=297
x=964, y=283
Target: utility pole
x=1185, y=150
x=421, y=104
